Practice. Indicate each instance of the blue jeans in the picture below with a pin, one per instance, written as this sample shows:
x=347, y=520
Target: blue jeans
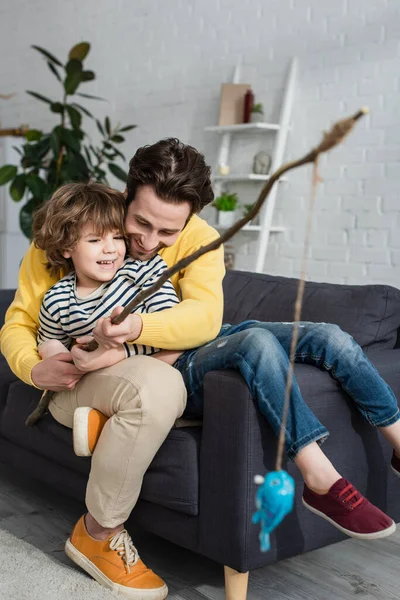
x=259, y=351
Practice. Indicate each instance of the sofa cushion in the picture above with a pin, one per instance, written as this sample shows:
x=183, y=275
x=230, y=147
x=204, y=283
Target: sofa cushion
x=172, y=478
x=370, y=313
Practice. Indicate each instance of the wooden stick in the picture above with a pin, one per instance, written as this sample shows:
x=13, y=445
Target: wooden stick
x=329, y=140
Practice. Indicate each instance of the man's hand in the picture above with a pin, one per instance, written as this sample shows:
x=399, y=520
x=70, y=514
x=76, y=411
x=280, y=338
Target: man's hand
x=57, y=373
x=111, y=336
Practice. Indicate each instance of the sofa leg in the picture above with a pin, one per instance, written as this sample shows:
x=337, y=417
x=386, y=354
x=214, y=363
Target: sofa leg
x=235, y=584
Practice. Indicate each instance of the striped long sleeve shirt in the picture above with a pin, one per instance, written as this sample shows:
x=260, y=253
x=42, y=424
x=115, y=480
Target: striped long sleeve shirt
x=64, y=315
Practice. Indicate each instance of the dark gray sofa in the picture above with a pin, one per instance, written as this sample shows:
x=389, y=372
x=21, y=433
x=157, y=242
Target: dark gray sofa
x=199, y=490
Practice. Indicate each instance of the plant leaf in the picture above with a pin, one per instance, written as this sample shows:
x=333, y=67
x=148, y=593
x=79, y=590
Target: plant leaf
x=91, y=97
x=73, y=66
x=55, y=143
x=88, y=157
x=100, y=127
x=17, y=188
x=69, y=138
x=7, y=172
x=36, y=185
x=117, y=139
x=118, y=172
x=47, y=54
x=79, y=51
x=33, y=135
x=83, y=109
x=107, y=125
x=88, y=76
x=74, y=117
x=118, y=152
x=25, y=216
x=54, y=70
x=71, y=83
x=127, y=128
x=39, y=96
x=57, y=107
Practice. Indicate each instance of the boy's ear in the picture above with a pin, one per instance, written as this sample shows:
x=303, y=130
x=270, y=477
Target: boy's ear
x=66, y=254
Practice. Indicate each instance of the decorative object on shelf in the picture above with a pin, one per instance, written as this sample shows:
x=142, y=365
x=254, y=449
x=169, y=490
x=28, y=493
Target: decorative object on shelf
x=248, y=105
x=232, y=102
x=257, y=113
x=229, y=256
x=64, y=154
x=224, y=169
x=226, y=204
x=246, y=209
x=261, y=163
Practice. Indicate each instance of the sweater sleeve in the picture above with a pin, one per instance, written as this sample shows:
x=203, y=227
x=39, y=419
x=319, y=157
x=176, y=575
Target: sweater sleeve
x=18, y=335
x=197, y=318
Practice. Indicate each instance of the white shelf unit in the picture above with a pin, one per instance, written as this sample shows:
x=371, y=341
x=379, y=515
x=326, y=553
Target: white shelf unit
x=280, y=130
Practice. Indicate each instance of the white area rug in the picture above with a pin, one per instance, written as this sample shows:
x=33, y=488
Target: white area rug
x=27, y=573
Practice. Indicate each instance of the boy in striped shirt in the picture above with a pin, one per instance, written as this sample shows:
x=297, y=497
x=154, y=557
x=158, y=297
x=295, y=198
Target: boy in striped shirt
x=81, y=230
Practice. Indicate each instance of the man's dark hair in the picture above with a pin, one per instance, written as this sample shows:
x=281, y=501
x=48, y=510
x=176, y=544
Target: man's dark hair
x=176, y=172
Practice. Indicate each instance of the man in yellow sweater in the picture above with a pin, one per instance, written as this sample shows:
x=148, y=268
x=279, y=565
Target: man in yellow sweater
x=169, y=183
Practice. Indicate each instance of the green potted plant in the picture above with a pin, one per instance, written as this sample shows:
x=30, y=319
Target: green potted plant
x=64, y=154
x=257, y=113
x=226, y=204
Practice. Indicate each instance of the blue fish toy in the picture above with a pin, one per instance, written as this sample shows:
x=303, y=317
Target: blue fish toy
x=274, y=500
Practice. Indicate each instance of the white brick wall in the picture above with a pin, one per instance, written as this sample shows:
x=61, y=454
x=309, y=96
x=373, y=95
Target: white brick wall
x=161, y=65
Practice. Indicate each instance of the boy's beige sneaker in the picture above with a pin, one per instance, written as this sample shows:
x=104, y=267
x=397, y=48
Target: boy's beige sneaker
x=87, y=427
x=114, y=563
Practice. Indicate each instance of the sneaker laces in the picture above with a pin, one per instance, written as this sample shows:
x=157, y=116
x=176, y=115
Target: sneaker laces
x=354, y=494
x=122, y=543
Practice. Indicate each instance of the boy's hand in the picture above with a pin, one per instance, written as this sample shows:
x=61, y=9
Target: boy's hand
x=57, y=373
x=110, y=336
x=98, y=359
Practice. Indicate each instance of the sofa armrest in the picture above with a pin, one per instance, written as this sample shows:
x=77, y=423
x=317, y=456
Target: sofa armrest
x=6, y=297
x=232, y=452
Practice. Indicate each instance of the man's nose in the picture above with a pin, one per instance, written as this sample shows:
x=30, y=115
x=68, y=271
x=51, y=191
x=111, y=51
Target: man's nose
x=150, y=242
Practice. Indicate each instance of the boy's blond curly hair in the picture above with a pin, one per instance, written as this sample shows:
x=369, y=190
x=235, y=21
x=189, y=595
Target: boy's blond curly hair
x=57, y=225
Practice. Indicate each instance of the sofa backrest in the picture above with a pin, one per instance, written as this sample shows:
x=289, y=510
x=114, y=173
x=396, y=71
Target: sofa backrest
x=370, y=313
x=6, y=297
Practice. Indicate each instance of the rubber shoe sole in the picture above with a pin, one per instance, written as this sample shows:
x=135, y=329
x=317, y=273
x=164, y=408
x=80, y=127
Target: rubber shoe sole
x=137, y=594
x=80, y=432
x=360, y=536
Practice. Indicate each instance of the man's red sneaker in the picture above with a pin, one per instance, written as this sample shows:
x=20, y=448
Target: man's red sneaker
x=395, y=464
x=346, y=509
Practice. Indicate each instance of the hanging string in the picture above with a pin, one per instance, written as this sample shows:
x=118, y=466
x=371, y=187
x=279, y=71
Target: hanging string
x=297, y=317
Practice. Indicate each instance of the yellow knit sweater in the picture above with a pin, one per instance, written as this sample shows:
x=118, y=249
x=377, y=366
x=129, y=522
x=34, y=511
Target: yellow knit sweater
x=193, y=322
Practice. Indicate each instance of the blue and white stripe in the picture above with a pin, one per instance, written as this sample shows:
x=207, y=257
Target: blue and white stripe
x=65, y=316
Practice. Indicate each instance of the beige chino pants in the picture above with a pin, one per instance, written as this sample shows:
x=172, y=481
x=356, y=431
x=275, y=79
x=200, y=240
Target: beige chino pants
x=143, y=397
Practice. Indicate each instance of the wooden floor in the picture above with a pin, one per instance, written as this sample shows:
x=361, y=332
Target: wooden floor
x=344, y=571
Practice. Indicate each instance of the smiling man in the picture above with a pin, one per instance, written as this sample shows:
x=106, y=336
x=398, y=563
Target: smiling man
x=169, y=182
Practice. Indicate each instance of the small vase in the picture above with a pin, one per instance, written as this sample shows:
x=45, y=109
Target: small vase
x=226, y=218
